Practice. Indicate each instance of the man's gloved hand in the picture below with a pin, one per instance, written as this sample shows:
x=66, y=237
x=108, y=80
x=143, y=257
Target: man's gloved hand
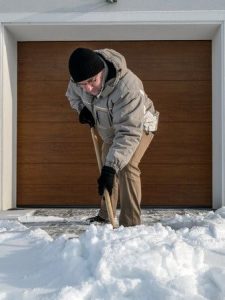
x=85, y=117
x=106, y=180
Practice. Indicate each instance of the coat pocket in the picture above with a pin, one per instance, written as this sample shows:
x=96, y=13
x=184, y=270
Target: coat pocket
x=103, y=118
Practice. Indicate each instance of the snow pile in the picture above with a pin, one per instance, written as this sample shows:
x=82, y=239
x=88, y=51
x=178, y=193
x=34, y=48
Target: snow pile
x=180, y=258
x=38, y=219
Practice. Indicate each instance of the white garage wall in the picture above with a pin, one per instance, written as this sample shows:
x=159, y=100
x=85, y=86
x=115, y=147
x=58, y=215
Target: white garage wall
x=217, y=116
x=1, y=111
x=71, y=6
x=8, y=120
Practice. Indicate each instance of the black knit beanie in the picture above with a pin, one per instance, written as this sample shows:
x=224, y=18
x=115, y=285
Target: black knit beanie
x=84, y=63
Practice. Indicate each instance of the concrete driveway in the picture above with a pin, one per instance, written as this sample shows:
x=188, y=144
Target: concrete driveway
x=72, y=221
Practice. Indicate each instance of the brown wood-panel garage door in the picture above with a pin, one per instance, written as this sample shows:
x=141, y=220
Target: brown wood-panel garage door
x=56, y=160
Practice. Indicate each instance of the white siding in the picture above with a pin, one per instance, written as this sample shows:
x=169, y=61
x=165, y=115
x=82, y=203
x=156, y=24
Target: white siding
x=81, y=6
x=1, y=115
x=9, y=121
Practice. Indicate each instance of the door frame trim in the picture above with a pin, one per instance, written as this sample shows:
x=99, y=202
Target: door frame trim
x=11, y=33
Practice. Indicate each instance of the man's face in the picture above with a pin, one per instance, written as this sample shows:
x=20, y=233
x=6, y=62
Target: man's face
x=92, y=85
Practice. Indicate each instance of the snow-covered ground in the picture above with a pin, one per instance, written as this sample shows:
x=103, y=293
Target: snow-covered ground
x=182, y=257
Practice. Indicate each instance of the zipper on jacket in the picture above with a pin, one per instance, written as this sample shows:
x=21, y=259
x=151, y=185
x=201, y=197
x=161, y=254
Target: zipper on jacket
x=97, y=117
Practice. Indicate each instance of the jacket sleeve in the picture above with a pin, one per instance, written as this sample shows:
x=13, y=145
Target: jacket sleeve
x=74, y=99
x=128, y=115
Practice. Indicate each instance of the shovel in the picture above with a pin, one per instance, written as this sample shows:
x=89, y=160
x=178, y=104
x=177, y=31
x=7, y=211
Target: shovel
x=106, y=193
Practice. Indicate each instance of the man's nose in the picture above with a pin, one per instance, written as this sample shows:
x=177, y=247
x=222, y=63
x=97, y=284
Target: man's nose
x=88, y=87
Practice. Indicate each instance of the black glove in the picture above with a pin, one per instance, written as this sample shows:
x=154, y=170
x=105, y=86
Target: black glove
x=85, y=117
x=106, y=180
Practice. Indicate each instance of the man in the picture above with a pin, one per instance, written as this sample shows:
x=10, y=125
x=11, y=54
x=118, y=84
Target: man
x=109, y=96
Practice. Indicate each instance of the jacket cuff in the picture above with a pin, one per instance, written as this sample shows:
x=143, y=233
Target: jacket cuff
x=112, y=165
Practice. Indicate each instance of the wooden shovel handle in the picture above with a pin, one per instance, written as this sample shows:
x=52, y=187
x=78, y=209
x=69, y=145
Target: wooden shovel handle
x=106, y=194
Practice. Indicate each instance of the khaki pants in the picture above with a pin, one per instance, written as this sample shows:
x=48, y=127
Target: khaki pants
x=127, y=186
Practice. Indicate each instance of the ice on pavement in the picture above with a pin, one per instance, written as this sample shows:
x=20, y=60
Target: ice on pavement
x=179, y=258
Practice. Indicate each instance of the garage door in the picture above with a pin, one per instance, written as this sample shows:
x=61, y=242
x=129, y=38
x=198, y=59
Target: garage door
x=56, y=164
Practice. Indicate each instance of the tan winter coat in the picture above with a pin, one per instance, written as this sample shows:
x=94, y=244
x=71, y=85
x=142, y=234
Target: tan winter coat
x=122, y=111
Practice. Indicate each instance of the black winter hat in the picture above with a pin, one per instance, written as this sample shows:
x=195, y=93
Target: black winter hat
x=84, y=63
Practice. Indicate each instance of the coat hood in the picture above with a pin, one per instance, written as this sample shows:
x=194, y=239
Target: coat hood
x=117, y=59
